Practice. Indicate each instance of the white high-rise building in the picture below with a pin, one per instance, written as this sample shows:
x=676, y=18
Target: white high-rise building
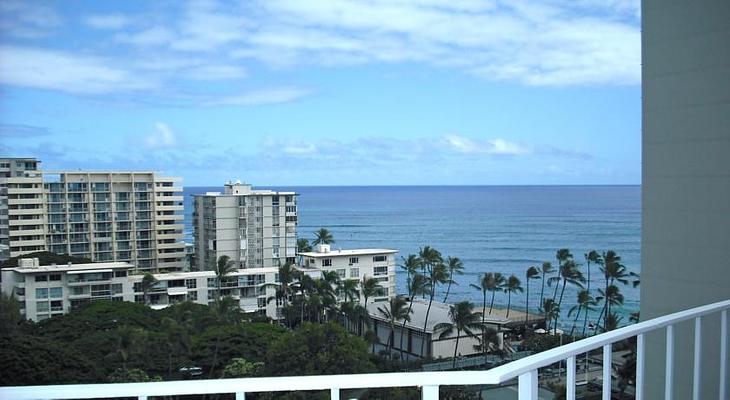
x=104, y=216
x=22, y=209
x=254, y=228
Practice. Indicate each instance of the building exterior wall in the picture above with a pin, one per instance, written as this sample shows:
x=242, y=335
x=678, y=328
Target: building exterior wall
x=116, y=216
x=45, y=292
x=22, y=219
x=254, y=228
x=357, y=264
x=686, y=181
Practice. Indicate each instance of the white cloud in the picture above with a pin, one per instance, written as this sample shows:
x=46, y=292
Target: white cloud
x=154, y=36
x=108, y=21
x=299, y=148
x=162, y=137
x=56, y=70
x=261, y=97
x=28, y=20
x=497, y=146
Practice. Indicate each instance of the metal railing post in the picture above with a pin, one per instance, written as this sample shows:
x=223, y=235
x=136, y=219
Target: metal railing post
x=697, y=360
x=527, y=385
x=640, y=366
x=570, y=384
x=430, y=392
x=669, y=372
x=240, y=396
x=606, y=390
x=334, y=394
x=723, y=355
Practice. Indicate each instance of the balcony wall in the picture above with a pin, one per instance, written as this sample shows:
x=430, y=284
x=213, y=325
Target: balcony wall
x=686, y=179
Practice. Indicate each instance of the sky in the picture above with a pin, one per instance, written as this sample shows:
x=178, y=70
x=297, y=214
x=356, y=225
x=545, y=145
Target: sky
x=327, y=92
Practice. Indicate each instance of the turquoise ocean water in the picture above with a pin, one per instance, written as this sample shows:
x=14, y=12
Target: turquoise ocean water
x=490, y=228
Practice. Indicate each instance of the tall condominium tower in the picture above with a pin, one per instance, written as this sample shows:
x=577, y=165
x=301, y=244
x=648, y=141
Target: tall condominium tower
x=116, y=216
x=255, y=228
x=22, y=210
x=104, y=216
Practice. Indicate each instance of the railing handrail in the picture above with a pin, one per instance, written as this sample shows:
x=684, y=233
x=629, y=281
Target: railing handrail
x=493, y=376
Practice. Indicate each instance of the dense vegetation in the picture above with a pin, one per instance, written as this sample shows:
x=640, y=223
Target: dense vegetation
x=46, y=258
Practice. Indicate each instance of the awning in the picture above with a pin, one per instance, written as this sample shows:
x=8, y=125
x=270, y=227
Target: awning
x=175, y=291
x=89, y=271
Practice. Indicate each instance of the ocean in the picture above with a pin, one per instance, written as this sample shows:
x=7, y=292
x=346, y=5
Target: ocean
x=490, y=228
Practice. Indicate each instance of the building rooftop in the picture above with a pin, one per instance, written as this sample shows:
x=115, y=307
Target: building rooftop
x=30, y=269
x=350, y=252
x=439, y=313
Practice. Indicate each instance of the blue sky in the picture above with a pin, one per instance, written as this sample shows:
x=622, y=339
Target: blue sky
x=335, y=92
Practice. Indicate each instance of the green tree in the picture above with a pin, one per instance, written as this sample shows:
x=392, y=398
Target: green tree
x=394, y=312
x=513, y=285
x=437, y=275
x=531, y=273
x=131, y=375
x=46, y=258
x=177, y=341
x=547, y=268
x=562, y=255
x=303, y=246
x=411, y=264
x=323, y=236
x=489, y=343
x=148, y=282
x=611, y=297
x=585, y=302
x=223, y=268
x=416, y=285
x=349, y=289
x=552, y=311
x=454, y=266
x=11, y=320
x=318, y=349
x=463, y=319
x=495, y=284
x=241, y=368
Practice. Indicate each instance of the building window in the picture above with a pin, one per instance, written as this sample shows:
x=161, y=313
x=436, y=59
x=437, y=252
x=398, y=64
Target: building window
x=120, y=274
x=191, y=283
x=41, y=306
x=380, y=271
x=354, y=260
x=380, y=258
x=41, y=278
x=55, y=277
x=56, y=293
x=262, y=302
x=116, y=288
x=192, y=296
x=354, y=272
x=341, y=272
x=326, y=262
x=139, y=298
x=56, y=305
x=41, y=293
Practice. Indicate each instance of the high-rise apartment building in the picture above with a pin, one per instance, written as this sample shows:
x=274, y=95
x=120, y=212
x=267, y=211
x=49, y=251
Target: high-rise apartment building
x=116, y=216
x=104, y=216
x=255, y=228
x=22, y=210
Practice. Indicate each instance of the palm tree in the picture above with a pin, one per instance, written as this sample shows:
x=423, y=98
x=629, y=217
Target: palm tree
x=485, y=283
x=411, y=264
x=489, y=343
x=547, y=268
x=148, y=282
x=127, y=338
x=396, y=311
x=613, y=271
x=552, y=311
x=611, y=297
x=513, y=285
x=585, y=303
x=323, y=236
x=348, y=289
x=463, y=319
x=303, y=246
x=496, y=284
x=225, y=311
x=369, y=287
x=454, y=266
x=595, y=258
x=224, y=268
x=416, y=284
x=438, y=276
x=531, y=273
x=176, y=339
x=562, y=256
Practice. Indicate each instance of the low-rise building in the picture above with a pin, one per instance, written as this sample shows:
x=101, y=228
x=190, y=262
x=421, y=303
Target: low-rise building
x=47, y=291
x=356, y=264
x=413, y=335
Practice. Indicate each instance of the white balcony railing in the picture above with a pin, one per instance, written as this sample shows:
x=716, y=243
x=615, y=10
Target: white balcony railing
x=524, y=369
